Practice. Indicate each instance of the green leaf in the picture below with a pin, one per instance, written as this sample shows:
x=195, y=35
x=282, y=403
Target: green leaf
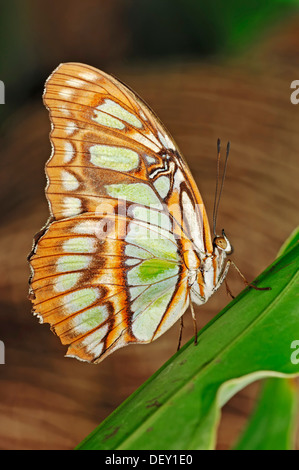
x=179, y=406
x=290, y=242
x=272, y=425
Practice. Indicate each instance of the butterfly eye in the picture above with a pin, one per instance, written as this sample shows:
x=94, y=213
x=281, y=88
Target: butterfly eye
x=220, y=242
x=223, y=243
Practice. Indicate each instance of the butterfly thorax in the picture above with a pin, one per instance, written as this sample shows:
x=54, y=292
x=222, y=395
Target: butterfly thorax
x=207, y=275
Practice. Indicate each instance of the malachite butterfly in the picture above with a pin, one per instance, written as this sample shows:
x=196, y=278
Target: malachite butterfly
x=127, y=247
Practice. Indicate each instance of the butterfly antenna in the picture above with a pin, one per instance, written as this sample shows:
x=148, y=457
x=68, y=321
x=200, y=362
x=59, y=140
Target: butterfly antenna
x=218, y=191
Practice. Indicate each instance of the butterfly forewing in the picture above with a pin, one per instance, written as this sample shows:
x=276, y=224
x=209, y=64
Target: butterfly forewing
x=110, y=266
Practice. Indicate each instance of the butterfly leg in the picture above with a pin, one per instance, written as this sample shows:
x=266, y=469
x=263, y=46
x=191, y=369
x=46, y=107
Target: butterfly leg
x=194, y=320
x=181, y=333
x=244, y=278
x=228, y=291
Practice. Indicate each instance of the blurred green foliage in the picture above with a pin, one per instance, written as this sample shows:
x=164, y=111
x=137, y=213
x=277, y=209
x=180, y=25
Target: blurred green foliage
x=273, y=423
x=168, y=29
x=202, y=28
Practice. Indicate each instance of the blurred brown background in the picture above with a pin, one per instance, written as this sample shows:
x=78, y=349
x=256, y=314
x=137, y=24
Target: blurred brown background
x=208, y=71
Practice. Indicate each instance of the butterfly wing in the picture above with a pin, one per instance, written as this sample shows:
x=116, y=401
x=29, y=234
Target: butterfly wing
x=99, y=294
x=103, y=133
x=108, y=269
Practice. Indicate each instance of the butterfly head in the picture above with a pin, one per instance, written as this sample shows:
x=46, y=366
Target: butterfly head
x=222, y=244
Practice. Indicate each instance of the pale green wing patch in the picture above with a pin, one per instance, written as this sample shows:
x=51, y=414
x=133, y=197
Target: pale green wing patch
x=136, y=252
x=147, y=294
x=90, y=319
x=153, y=241
x=152, y=271
x=65, y=282
x=146, y=323
x=152, y=217
x=139, y=193
x=114, y=158
x=79, y=245
x=108, y=121
x=80, y=299
x=162, y=185
x=153, y=281
x=72, y=263
x=111, y=108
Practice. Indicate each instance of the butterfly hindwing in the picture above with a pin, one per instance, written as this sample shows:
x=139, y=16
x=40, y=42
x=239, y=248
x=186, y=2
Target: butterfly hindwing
x=99, y=293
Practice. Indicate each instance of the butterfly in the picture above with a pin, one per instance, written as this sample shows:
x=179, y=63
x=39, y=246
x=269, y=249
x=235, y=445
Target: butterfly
x=127, y=247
